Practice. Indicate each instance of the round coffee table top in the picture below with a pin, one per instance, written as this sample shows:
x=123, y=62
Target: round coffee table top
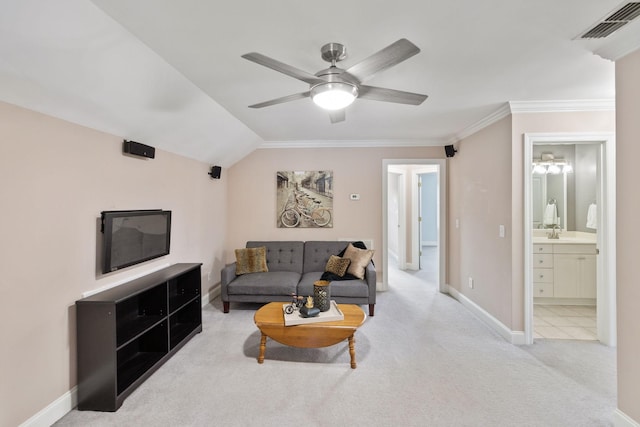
x=270, y=320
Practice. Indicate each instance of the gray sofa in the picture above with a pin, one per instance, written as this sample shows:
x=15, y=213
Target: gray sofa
x=293, y=267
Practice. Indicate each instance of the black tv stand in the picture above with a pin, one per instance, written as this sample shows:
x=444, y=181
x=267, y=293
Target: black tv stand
x=126, y=333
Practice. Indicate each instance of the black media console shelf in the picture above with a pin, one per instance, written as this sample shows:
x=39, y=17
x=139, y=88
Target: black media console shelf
x=126, y=333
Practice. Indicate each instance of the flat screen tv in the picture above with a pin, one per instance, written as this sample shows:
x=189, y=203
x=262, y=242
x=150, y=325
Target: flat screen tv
x=132, y=237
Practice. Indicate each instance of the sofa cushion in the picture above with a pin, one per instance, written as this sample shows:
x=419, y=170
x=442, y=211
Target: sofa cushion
x=317, y=253
x=337, y=265
x=269, y=283
x=359, y=260
x=251, y=260
x=282, y=255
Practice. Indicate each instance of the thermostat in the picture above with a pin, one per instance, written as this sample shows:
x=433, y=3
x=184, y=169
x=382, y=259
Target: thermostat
x=354, y=197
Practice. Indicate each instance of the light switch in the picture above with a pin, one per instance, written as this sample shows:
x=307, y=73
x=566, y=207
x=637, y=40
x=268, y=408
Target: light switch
x=501, y=230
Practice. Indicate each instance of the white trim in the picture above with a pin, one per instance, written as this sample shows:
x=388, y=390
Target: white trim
x=566, y=106
x=517, y=107
x=499, y=114
x=354, y=143
x=606, y=221
x=54, y=411
x=621, y=43
x=620, y=419
x=514, y=337
x=387, y=165
x=211, y=295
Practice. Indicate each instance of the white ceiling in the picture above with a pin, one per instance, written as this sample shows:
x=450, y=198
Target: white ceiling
x=169, y=73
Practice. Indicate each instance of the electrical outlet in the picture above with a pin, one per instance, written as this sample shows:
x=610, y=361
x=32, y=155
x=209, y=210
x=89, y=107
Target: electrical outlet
x=354, y=196
x=471, y=282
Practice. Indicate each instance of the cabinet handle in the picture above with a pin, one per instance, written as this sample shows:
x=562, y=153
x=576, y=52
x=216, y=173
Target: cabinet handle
x=541, y=276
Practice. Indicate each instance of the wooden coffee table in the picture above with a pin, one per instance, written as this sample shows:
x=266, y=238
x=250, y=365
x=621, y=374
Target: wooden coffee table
x=270, y=320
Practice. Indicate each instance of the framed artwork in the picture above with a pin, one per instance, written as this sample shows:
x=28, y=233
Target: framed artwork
x=304, y=199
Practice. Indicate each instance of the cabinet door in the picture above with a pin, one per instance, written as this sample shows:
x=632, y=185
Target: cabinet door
x=587, y=280
x=574, y=276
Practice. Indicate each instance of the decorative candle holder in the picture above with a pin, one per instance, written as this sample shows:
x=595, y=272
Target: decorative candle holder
x=322, y=295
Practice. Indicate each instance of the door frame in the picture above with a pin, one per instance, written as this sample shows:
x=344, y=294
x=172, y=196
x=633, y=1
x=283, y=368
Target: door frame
x=606, y=236
x=441, y=164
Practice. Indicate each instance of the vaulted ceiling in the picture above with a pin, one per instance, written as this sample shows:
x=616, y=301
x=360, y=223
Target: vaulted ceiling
x=170, y=74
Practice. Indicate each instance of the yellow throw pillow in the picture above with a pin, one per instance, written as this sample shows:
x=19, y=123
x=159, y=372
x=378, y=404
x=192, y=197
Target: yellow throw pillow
x=251, y=260
x=359, y=260
x=337, y=265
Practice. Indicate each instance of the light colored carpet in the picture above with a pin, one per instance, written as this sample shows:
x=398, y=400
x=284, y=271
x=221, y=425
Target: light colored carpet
x=423, y=360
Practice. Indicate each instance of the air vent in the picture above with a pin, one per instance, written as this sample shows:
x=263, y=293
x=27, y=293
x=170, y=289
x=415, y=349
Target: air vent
x=613, y=22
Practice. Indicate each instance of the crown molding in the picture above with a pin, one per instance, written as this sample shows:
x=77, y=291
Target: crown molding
x=499, y=114
x=520, y=107
x=622, y=43
x=580, y=105
x=353, y=143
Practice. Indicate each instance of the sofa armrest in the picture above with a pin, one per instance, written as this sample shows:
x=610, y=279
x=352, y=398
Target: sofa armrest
x=227, y=275
x=370, y=279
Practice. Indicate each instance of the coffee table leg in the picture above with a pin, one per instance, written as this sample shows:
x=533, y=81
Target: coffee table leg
x=352, y=351
x=263, y=346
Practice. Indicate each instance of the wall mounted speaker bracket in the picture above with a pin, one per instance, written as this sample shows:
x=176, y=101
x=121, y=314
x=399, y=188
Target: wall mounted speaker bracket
x=138, y=149
x=215, y=172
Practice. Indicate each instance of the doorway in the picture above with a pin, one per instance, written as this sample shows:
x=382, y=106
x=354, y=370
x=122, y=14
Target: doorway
x=402, y=216
x=569, y=209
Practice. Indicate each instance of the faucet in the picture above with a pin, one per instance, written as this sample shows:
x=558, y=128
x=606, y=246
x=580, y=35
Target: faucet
x=554, y=234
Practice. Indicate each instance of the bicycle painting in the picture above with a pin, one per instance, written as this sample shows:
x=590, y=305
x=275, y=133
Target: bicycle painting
x=305, y=199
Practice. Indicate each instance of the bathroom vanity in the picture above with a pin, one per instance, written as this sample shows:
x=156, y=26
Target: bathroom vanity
x=564, y=269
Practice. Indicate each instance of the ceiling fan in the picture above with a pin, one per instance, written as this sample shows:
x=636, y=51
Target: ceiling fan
x=334, y=88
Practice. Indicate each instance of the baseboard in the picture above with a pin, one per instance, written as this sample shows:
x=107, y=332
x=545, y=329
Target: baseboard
x=620, y=419
x=54, y=411
x=514, y=337
x=65, y=403
x=211, y=295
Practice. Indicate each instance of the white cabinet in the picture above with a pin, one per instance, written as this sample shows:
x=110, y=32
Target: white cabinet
x=543, y=271
x=564, y=271
x=574, y=272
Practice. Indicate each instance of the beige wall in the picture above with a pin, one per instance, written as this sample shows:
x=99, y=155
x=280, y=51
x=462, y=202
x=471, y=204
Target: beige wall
x=486, y=189
x=252, y=186
x=480, y=199
x=56, y=178
x=628, y=236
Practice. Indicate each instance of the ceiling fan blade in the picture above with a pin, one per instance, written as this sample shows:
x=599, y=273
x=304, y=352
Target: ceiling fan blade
x=337, y=116
x=281, y=100
x=283, y=68
x=391, y=55
x=390, y=95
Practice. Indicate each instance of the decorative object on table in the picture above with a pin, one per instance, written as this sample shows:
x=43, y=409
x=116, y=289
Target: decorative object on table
x=295, y=304
x=308, y=310
x=333, y=315
x=304, y=199
x=322, y=294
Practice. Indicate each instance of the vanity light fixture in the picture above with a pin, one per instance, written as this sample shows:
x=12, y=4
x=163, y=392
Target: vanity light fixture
x=548, y=164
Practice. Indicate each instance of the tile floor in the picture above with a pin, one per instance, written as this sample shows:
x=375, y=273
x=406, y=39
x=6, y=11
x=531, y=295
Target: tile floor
x=569, y=322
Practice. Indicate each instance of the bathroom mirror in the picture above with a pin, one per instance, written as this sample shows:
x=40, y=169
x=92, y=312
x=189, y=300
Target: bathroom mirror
x=573, y=191
x=548, y=190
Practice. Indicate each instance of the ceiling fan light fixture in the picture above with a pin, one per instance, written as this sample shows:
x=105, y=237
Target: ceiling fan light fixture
x=334, y=95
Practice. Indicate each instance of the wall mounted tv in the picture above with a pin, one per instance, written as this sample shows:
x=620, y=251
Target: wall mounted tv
x=132, y=237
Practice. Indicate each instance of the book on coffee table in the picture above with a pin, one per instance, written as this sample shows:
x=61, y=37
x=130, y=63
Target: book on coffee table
x=331, y=315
